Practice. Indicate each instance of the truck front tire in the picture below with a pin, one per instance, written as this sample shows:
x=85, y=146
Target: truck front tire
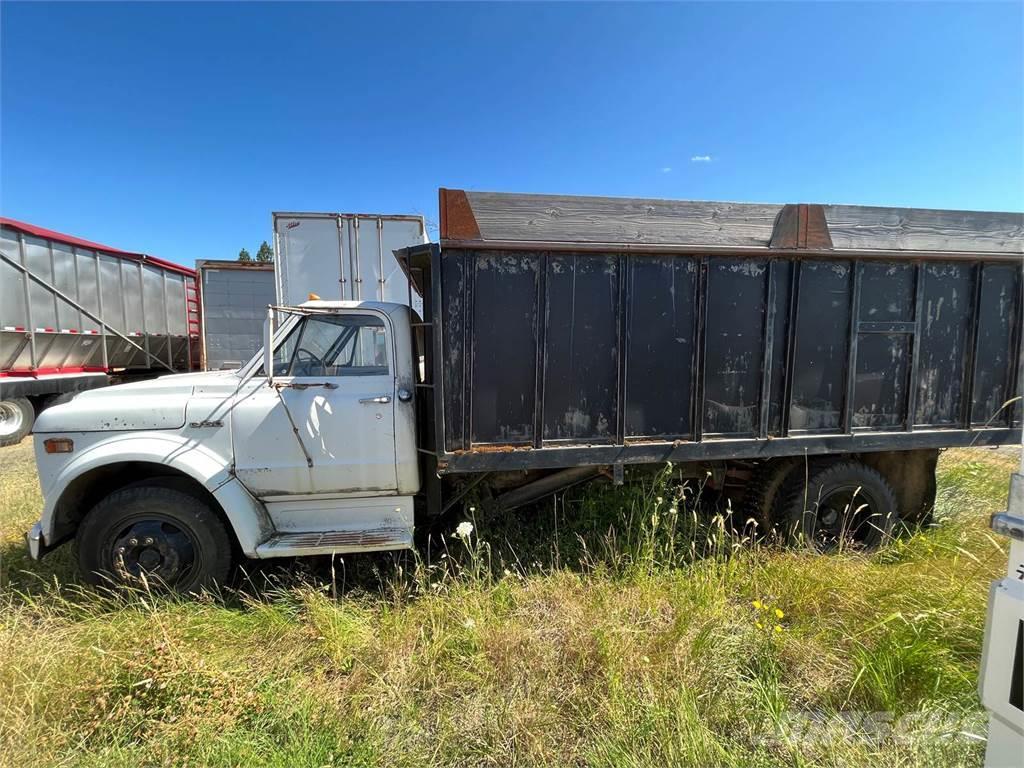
x=842, y=505
x=157, y=536
x=16, y=419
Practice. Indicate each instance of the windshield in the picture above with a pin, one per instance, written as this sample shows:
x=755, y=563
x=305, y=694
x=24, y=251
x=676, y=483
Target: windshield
x=327, y=345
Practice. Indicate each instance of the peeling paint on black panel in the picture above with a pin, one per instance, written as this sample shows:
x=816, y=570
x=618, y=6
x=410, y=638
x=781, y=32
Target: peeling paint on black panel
x=734, y=345
x=887, y=292
x=822, y=338
x=581, y=353
x=660, y=347
x=782, y=274
x=880, y=389
x=452, y=298
x=945, y=335
x=993, y=356
x=504, y=347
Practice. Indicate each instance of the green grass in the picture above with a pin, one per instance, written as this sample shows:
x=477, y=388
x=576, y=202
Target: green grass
x=614, y=632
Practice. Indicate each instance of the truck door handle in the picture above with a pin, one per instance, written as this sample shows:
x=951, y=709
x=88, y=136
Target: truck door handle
x=379, y=399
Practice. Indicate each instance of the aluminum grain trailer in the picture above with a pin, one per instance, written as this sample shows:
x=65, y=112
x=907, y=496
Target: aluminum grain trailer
x=74, y=314
x=233, y=299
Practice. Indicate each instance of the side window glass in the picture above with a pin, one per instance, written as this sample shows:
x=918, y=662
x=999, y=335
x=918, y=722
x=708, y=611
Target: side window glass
x=284, y=352
x=330, y=345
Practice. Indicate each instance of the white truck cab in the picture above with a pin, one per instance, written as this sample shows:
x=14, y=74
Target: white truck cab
x=319, y=456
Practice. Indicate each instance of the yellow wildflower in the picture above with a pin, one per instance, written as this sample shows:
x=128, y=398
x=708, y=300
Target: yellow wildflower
x=778, y=628
x=757, y=604
x=778, y=613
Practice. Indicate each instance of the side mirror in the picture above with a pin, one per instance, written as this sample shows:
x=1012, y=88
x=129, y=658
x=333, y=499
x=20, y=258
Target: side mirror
x=268, y=346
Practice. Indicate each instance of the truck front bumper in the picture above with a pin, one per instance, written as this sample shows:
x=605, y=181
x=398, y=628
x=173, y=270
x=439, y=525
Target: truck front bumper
x=34, y=540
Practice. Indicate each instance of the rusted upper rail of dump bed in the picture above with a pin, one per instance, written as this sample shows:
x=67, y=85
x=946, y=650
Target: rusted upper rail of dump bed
x=565, y=331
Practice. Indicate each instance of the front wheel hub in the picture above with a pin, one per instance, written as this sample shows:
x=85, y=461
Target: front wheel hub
x=154, y=549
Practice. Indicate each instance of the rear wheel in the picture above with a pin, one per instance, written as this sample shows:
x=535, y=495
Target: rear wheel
x=764, y=490
x=844, y=505
x=16, y=418
x=155, y=535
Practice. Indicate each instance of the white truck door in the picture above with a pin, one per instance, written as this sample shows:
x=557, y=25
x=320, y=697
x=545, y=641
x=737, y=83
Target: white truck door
x=326, y=427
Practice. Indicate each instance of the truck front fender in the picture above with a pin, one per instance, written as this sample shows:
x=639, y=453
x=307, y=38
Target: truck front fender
x=247, y=517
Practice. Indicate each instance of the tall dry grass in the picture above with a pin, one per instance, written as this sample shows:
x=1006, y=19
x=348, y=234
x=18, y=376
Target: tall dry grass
x=605, y=630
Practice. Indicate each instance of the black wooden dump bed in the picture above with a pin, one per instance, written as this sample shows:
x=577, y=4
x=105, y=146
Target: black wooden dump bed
x=566, y=331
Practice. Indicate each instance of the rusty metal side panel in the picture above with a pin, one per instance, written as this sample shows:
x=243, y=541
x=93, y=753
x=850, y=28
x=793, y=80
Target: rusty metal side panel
x=504, y=347
x=821, y=346
x=882, y=378
x=945, y=327
x=582, y=347
x=454, y=295
x=886, y=298
x=737, y=309
x=621, y=357
x=887, y=292
x=661, y=344
x=995, y=351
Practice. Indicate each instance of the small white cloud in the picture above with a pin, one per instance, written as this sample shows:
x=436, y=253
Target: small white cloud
x=700, y=159
x=667, y=169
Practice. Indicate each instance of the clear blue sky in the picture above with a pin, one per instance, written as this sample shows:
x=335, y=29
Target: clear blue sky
x=176, y=129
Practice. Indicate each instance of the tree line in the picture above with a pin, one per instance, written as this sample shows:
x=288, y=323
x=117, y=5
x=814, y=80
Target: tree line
x=264, y=254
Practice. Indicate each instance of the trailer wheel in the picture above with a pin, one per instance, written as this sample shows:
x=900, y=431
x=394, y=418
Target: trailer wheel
x=843, y=505
x=154, y=535
x=764, y=490
x=16, y=419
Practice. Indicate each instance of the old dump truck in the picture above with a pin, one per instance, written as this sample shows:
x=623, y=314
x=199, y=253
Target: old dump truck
x=809, y=361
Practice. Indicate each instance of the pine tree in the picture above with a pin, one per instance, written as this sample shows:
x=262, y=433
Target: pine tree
x=265, y=253
x=243, y=255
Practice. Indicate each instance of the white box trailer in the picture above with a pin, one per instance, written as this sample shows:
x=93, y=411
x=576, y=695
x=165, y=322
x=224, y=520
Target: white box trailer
x=346, y=256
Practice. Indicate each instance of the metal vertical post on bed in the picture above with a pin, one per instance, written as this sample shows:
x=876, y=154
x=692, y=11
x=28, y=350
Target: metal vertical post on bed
x=914, y=369
x=851, y=351
x=766, y=352
x=791, y=342
x=539, y=356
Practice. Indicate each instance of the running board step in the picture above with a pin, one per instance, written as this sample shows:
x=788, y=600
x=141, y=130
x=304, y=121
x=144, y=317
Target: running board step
x=331, y=542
